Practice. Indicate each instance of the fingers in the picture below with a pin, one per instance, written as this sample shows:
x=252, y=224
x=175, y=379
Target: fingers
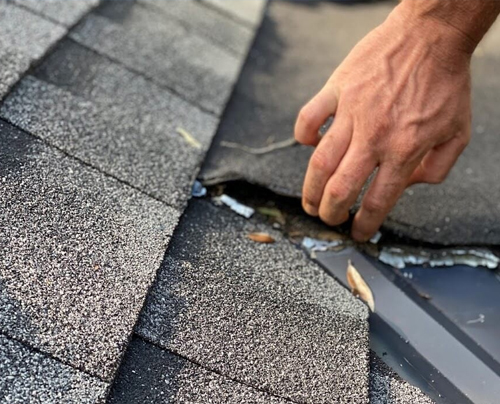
x=324, y=162
x=389, y=184
x=314, y=114
x=345, y=185
x=438, y=162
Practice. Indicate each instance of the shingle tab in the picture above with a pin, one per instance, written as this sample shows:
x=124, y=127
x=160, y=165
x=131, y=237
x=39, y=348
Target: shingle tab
x=65, y=12
x=387, y=387
x=24, y=38
x=207, y=22
x=83, y=250
x=149, y=374
x=248, y=11
x=114, y=120
x=163, y=49
x=30, y=377
x=262, y=314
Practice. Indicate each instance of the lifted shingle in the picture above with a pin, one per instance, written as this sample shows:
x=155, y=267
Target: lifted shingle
x=82, y=252
x=163, y=49
x=30, y=377
x=149, y=374
x=262, y=314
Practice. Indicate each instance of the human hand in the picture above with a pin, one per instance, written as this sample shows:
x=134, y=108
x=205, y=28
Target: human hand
x=401, y=102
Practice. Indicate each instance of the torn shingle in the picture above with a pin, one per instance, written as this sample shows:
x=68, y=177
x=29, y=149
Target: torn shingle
x=83, y=250
x=262, y=314
x=65, y=12
x=386, y=387
x=28, y=377
x=127, y=131
x=24, y=38
x=162, y=49
x=209, y=23
x=149, y=374
x=248, y=11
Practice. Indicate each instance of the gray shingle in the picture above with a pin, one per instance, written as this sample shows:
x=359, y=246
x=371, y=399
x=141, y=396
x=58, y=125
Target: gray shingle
x=163, y=49
x=128, y=131
x=262, y=314
x=30, y=377
x=65, y=12
x=248, y=11
x=208, y=22
x=24, y=38
x=149, y=374
x=386, y=387
x=83, y=250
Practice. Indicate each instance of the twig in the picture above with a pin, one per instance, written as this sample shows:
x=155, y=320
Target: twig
x=260, y=150
x=188, y=138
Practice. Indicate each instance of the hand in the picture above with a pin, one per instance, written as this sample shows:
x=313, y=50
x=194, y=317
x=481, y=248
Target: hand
x=401, y=106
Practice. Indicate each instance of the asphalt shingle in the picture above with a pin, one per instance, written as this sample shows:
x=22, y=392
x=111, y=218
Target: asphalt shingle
x=248, y=11
x=149, y=374
x=128, y=131
x=65, y=12
x=205, y=21
x=24, y=38
x=386, y=387
x=83, y=250
x=262, y=314
x=30, y=377
x=163, y=49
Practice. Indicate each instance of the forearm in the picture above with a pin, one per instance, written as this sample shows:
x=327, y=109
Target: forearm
x=466, y=20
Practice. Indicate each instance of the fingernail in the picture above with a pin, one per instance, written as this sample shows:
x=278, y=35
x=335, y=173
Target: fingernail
x=311, y=209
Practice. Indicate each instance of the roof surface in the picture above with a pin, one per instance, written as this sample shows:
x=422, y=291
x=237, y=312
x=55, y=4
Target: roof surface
x=107, y=112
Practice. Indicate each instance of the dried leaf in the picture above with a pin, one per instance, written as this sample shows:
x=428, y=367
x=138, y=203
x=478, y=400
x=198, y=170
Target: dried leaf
x=188, y=138
x=275, y=213
x=261, y=238
x=359, y=287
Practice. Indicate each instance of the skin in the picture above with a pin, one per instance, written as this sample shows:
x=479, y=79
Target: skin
x=401, y=107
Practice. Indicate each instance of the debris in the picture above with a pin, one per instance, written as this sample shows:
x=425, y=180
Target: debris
x=424, y=296
x=271, y=212
x=188, y=137
x=198, y=190
x=234, y=205
x=316, y=245
x=376, y=238
x=359, y=287
x=260, y=150
x=480, y=319
x=261, y=238
x=399, y=257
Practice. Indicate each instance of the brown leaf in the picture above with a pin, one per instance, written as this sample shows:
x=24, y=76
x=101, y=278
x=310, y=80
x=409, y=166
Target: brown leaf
x=261, y=238
x=359, y=287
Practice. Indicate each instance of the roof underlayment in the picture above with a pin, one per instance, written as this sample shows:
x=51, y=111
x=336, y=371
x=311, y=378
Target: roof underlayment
x=107, y=112
x=464, y=210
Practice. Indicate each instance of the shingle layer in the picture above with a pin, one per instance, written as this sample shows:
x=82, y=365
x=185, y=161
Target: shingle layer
x=257, y=313
x=113, y=119
x=82, y=251
x=24, y=38
x=152, y=375
x=30, y=377
x=158, y=46
x=65, y=12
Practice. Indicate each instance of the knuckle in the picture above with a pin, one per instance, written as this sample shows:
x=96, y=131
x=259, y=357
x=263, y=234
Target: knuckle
x=307, y=116
x=382, y=124
x=374, y=205
x=320, y=161
x=338, y=193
